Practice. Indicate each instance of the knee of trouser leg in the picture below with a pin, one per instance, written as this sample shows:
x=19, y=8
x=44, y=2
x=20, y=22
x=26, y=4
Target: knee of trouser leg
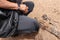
x=36, y=25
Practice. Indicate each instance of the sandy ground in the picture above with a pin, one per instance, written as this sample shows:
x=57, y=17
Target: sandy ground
x=51, y=8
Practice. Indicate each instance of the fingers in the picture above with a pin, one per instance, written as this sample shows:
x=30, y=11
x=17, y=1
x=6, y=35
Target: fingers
x=26, y=11
x=24, y=8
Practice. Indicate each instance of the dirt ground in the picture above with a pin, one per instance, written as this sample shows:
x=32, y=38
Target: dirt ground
x=51, y=8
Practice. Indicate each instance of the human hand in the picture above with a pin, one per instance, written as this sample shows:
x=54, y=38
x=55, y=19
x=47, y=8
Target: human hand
x=24, y=8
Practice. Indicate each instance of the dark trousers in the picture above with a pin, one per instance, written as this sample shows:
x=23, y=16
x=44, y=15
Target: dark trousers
x=11, y=23
x=26, y=24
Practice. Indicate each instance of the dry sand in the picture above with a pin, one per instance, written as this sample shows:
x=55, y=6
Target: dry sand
x=51, y=8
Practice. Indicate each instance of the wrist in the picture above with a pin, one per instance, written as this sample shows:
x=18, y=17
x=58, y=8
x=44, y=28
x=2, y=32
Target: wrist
x=18, y=6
